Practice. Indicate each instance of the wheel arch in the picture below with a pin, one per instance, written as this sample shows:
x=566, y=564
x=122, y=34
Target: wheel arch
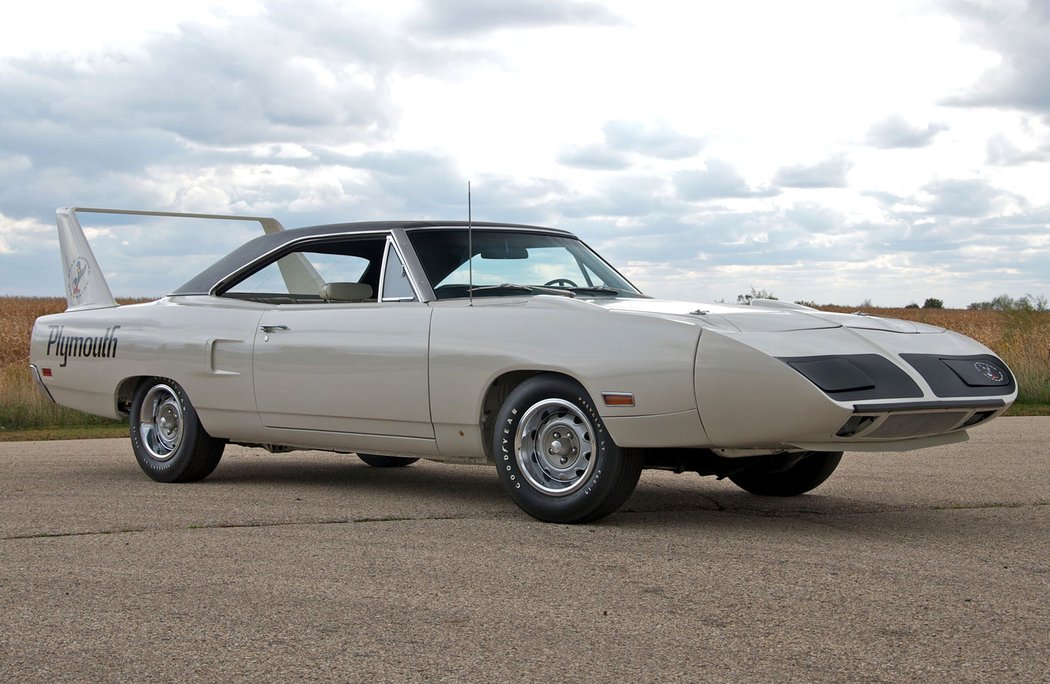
x=497, y=392
x=126, y=388
x=126, y=391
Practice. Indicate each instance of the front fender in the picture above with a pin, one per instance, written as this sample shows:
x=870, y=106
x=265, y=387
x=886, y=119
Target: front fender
x=604, y=351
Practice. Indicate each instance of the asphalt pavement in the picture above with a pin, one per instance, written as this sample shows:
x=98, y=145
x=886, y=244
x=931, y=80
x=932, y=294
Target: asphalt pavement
x=928, y=566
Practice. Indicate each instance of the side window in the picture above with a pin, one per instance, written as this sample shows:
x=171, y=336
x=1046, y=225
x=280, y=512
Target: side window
x=339, y=268
x=346, y=269
x=396, y=285
x=267, y=280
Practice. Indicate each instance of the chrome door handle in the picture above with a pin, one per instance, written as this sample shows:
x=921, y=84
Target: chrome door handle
x=273, y=328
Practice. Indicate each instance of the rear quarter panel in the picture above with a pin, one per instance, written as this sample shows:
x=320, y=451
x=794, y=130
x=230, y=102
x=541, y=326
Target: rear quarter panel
x=203, y=343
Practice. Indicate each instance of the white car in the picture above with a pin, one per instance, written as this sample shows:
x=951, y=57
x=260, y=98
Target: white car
x=511, y=345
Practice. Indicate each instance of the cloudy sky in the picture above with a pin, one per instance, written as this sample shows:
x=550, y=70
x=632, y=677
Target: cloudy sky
x=827, y=151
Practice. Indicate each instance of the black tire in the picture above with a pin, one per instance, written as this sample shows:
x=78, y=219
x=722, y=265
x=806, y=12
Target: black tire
x=167, y=437
x=554, y=456
x=377, y=461
x=800, y=477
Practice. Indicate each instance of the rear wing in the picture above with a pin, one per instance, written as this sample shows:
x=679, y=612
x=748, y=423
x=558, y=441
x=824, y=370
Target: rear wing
x=86, y=287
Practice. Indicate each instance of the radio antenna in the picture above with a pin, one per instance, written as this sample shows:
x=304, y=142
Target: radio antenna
x=470, y=250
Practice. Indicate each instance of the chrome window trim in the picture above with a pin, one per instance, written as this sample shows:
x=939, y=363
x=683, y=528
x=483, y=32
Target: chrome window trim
x=611, y=267
x=289, y=247
x=381, y=295
x=405, y=251
x=411, y=262
x=417, y=267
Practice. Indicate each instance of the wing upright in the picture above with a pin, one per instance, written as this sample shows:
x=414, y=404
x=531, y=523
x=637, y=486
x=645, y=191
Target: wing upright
x=86, y=286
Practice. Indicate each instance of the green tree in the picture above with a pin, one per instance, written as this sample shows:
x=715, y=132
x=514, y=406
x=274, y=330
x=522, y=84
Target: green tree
x=1005, y=302
x=755, y=294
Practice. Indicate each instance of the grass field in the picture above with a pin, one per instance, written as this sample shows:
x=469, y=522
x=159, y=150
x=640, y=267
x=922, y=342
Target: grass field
x=1021, y=337
x=23, y=411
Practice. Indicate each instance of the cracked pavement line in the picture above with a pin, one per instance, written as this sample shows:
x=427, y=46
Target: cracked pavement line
x=767, y=513
x=814, y=515
x=235, y=526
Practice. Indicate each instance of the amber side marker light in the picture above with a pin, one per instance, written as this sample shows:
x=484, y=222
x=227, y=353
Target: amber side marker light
x=618, y=398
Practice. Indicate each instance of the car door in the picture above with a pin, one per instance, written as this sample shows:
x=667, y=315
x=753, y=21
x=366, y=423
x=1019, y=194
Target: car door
x=348, y=365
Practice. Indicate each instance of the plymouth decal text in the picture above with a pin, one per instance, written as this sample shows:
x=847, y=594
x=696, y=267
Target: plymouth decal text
x=99, y=347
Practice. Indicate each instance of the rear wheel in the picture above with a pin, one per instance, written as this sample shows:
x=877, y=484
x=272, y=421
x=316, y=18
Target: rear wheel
x=554, y=456
x=377, y=461
x=799, y=477
x=169, y=442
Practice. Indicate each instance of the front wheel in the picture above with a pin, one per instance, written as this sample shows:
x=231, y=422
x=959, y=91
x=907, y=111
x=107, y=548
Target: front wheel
x=167, y=437
x=808, y=472
x=554, y=456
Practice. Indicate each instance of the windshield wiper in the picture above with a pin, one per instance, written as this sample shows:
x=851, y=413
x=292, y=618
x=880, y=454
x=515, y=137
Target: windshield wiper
x=514, y=287
x=597, y=289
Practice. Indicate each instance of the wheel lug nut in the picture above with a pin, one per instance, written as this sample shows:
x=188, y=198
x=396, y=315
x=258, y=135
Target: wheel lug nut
x=564, y=460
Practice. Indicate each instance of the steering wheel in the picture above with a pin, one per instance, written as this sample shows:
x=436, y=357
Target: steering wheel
x=559, y=282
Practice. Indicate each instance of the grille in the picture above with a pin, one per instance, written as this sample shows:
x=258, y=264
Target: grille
x=917, y=424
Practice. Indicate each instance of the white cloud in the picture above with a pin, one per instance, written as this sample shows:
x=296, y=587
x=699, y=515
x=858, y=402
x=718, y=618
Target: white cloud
x=78, y=28
x=14, y=164
x=1017, y=31
x=1003, y=152
x=711, y=147
x=895, y=131
x=594, y=157
x=719, y=180
x=829, y=173
x=24, y=234
x=446, y=18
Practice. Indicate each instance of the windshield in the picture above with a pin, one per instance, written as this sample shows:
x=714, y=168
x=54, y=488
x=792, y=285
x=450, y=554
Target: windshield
x=514, y=263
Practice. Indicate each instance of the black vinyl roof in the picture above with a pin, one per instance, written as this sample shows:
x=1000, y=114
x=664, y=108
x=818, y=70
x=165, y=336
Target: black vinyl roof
x=203, y=282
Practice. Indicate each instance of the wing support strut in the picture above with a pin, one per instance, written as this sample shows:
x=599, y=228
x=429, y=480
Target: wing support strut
x=86, y=286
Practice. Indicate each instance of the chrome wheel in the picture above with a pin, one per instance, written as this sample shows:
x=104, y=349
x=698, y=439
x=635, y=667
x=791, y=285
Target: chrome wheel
x=554, y=447
x=161, y=422
x=554, y=456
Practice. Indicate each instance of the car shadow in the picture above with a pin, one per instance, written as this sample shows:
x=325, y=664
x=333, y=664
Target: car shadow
x=683, y=500
x=339, y=476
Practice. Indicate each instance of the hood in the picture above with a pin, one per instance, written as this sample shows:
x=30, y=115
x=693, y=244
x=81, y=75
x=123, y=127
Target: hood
x=761, y=316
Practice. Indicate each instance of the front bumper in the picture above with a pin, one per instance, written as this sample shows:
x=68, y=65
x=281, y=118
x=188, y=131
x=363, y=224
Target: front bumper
x=845, y=390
